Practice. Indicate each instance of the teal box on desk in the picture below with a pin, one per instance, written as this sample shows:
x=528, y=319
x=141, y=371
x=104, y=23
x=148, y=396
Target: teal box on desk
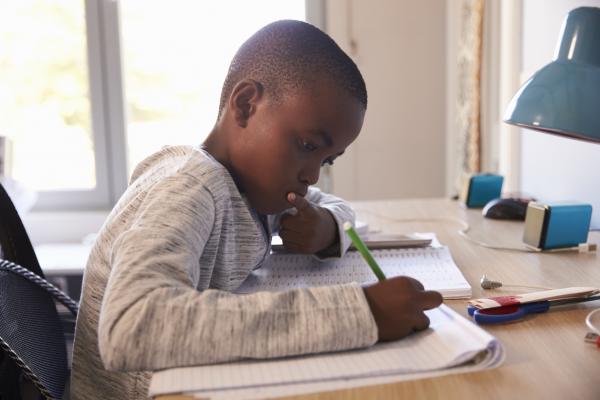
x=554, y=226
x=480, y=189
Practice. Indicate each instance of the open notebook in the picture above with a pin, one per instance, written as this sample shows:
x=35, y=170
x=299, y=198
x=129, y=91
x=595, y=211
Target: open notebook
x=432, y=266
x=451, y=345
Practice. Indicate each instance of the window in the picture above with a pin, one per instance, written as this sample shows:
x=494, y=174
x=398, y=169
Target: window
x=89, y=88
x=45, y=110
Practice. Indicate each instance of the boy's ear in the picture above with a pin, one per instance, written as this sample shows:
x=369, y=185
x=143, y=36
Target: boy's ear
x=244, y=97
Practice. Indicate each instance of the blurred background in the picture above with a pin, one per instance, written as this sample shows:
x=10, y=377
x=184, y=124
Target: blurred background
x=89, y=88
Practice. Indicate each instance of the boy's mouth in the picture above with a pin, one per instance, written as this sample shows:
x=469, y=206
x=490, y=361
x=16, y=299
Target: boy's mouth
x=302, y=192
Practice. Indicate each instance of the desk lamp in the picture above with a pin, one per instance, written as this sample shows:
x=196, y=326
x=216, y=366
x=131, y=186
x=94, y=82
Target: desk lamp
x=563, y=98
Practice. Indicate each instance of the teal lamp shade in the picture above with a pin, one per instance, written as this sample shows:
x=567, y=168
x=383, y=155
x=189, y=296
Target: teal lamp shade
x=563, y=98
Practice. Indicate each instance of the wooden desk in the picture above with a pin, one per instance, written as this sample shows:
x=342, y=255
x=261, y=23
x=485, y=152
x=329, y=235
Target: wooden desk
x=546, y=355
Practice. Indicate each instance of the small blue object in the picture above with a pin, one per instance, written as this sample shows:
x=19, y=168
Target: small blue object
x=507, y=313
x=559, y=225
x=568, y=225
x=483, y=188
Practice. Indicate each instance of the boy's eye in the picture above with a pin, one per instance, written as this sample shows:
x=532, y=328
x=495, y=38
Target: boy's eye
x=308, y=146
x=329, y=161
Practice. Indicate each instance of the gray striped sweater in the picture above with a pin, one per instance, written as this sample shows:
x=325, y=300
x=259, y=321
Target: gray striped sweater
x=157, y=289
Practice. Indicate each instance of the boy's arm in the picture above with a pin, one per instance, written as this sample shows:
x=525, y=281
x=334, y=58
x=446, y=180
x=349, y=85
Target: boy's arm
x=302, y=230
x=152, y=317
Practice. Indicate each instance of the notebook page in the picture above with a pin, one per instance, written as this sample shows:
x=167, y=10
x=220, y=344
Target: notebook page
x=449, y=341
x=491, y=359
x=432, y=266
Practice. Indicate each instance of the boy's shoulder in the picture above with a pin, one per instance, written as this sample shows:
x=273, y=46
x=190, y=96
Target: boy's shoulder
x=183, y=161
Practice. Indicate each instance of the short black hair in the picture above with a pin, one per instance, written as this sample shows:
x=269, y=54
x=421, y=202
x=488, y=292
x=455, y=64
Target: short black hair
x=288, y=55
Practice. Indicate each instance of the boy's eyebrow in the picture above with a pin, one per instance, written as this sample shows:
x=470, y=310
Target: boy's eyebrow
x=324, y=135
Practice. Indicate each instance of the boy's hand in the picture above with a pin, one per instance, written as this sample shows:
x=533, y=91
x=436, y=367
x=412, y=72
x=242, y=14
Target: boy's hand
x=310, y=230
x=397, y=305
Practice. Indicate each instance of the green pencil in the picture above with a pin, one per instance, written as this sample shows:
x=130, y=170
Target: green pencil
x=364, y=251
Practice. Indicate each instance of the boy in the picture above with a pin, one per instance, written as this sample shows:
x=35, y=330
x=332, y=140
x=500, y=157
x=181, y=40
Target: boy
x=196, y=221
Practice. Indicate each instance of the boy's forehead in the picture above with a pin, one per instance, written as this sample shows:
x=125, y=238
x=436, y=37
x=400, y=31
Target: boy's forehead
x=327, y=108
x=320, y=105
x=327, y=96
x=331, y=114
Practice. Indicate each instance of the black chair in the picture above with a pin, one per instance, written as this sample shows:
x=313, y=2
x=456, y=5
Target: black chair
x=33, y=353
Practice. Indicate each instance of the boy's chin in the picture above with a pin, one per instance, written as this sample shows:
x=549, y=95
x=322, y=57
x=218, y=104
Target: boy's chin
x=272, y=208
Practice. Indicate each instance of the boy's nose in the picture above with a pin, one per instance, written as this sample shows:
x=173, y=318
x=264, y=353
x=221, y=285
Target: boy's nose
x=310, y=175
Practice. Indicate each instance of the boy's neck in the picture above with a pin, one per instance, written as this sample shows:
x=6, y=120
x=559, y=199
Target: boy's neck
x=216, y=145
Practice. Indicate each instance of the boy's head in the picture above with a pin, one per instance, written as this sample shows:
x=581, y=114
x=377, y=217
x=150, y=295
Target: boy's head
x=291, y=102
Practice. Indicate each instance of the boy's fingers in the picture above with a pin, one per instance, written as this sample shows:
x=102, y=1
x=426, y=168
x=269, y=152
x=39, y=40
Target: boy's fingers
x=298, y=201
x=287, y=216
x=421, y=323
x=430, y=299
x=416, y=284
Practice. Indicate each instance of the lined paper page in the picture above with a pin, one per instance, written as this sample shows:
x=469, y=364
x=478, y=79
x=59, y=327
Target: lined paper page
x=432, y=266
x=450, y=341
x=489, y=359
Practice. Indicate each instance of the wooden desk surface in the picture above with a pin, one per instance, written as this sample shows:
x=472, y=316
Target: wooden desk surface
x=546, y=355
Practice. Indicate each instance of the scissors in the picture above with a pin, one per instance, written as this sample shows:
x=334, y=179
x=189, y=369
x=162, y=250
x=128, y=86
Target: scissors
x=515, y=312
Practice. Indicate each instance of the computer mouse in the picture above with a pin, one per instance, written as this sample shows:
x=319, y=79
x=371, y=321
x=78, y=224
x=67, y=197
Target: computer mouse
x=508, y=208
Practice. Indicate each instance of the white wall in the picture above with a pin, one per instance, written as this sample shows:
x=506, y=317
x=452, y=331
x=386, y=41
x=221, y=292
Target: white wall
x=400, y=47
x=554, y=168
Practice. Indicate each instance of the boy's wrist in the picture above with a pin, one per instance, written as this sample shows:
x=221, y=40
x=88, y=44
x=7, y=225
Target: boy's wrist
x=332, y=248
x=332, y=224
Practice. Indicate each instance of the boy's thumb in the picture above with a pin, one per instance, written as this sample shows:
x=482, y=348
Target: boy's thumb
x=298, y=201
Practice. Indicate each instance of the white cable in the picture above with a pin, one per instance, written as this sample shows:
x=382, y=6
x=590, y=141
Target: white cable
x=589, y=321
x=490, y=284
x=463, y=233
x=581, y=248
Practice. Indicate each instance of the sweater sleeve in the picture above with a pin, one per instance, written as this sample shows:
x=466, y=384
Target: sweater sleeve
x=341, y=212
x=152, y=317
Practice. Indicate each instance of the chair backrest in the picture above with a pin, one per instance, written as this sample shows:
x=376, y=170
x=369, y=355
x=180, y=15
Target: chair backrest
x=32, y=337
x=32, y=341
x=14, y=241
